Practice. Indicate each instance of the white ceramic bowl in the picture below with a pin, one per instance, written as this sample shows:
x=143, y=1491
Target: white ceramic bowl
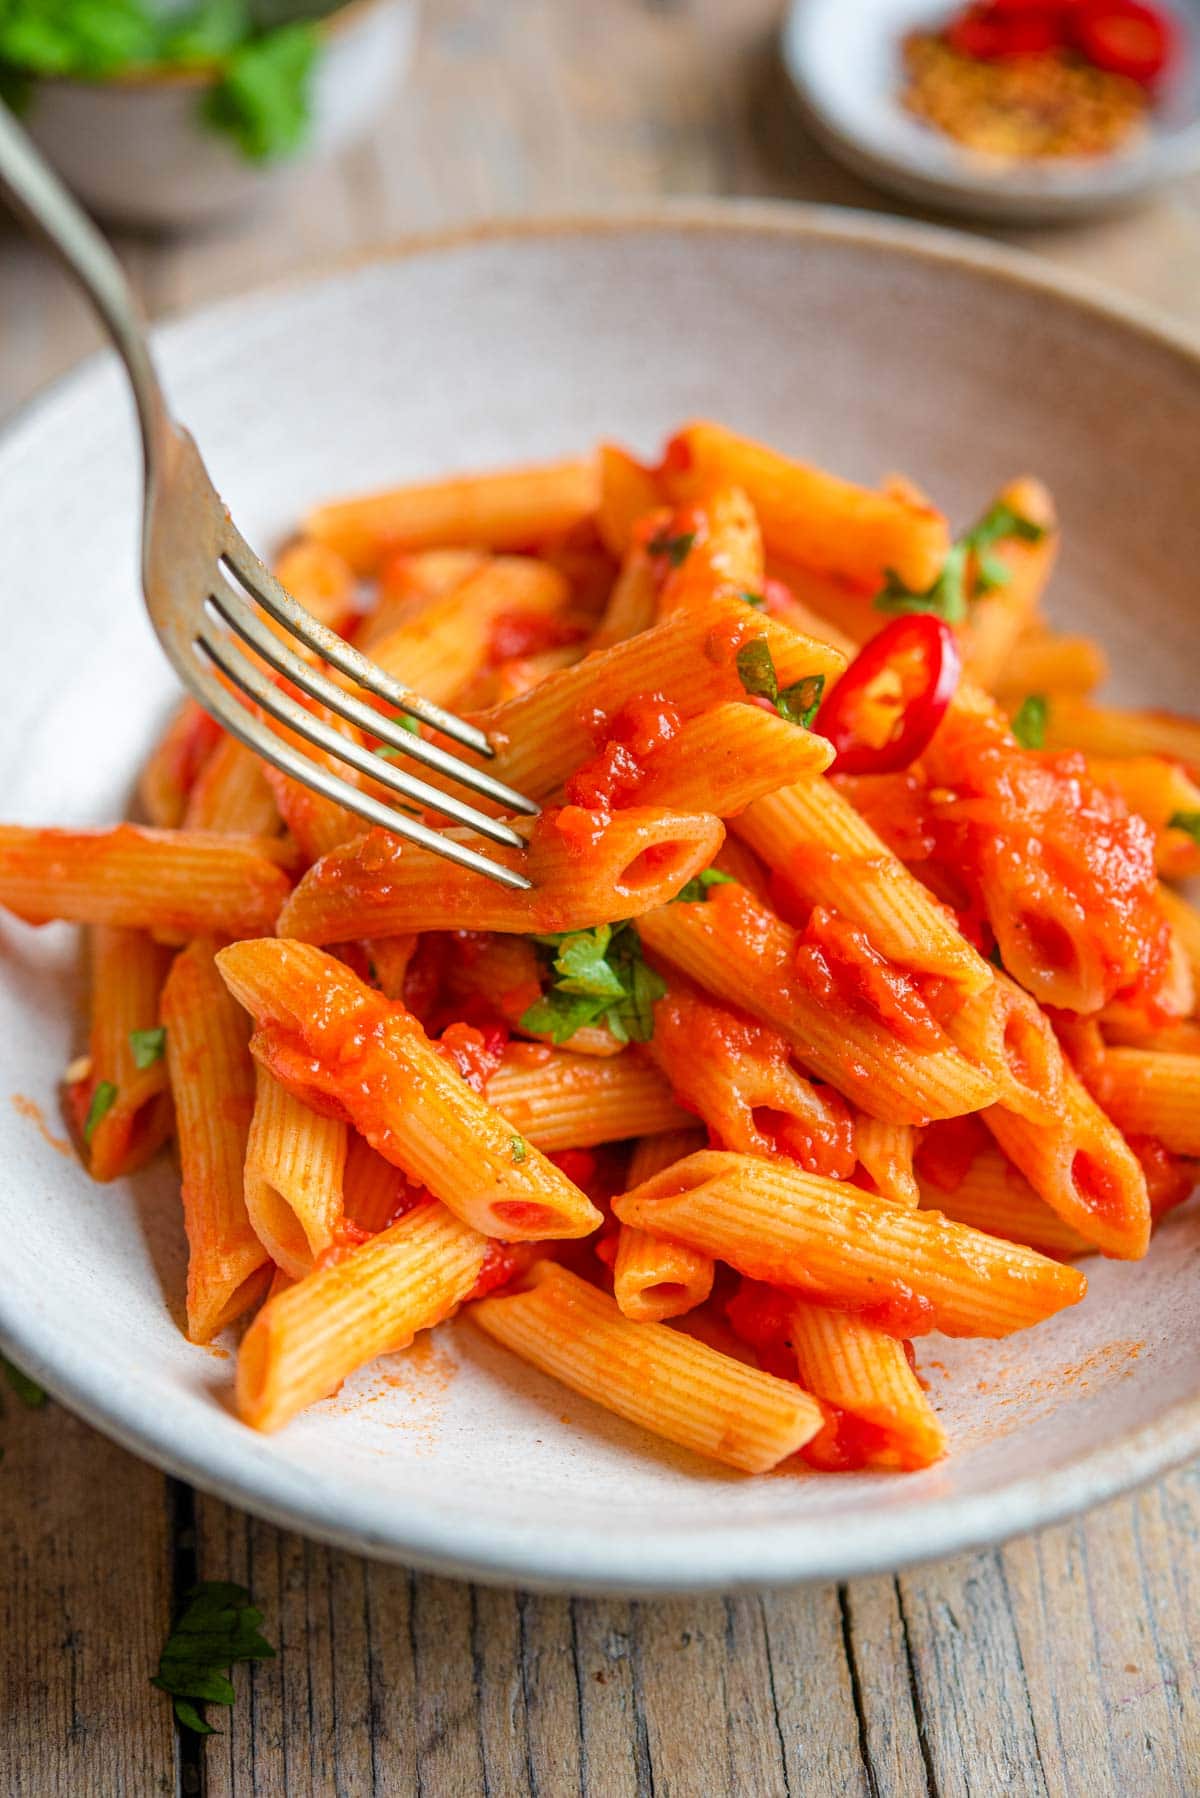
x=136, y=151
x=868, y=345
x=843, y=59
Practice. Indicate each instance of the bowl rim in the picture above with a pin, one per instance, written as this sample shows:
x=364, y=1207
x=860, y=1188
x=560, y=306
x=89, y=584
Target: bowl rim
x=728, y=1556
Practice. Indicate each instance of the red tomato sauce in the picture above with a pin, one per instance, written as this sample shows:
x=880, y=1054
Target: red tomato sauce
x=846, y=1444
x=947, y=1149
x=518, y=634
x=837, y=964
x=628, y=743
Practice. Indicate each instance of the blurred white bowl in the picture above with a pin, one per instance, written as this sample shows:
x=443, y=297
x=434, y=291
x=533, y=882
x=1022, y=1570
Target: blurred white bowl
x=136, y=150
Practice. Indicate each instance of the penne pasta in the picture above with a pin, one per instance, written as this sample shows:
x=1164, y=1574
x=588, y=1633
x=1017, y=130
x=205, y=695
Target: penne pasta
x=178, y=884
x=628, y=863
x=325, y=1035
x=212, y=1079
x=885, y=1152
x=503, y=511
x=311, y=1336
x=832, y=1241
x=170, y=770
x=991, y=1195
x=231, y=795
x=126, y=1062
x=1158, y=790
x=1080, y=1164
x=810, y=516
x=1152, y=1092
x=654, y=1279
x=999, y=613
x=657, y=1377
x=1043, y=662
x=1105, y=730
x=293, y=1177
x=566, y=1101
x=738, y=951
x=865, y=1372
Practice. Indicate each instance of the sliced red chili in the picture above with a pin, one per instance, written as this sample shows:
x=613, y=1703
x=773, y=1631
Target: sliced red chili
x=1122, y=36
x=886, y=707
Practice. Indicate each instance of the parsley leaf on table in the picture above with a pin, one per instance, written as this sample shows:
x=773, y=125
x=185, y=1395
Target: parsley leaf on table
x=947, y=597
x=598, y=976
x=217, y=1627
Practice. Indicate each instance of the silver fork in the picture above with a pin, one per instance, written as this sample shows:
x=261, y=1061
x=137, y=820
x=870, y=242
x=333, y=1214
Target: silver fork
x=206, y=590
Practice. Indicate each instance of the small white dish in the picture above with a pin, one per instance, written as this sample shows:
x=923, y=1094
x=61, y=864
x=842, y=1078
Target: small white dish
x=137, y=152
x=849, y=340
x=843, y=57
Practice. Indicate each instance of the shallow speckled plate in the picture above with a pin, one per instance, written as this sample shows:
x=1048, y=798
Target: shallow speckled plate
x=844, y=60
x=866, y=345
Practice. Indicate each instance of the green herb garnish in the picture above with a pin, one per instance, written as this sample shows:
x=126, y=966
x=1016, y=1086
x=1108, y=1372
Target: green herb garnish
x=1189, y=821
x=598, y=976
x=103, y=1100
x=27, y=1390
x=697, y=888
x=947, y=597
x=148, y=1046
x=675, y=549
x=217, y=1628
x=756, y=671
x=262, y=98
x=1029, y=721
x=757, y=600
x=518, y=1148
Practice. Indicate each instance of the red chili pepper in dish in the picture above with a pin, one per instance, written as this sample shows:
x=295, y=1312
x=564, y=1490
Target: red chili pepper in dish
x=1007, y=28
x=892, y=697
x=1122, y=36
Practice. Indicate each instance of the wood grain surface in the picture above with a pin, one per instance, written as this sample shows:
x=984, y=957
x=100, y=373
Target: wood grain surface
x=1061, y=1664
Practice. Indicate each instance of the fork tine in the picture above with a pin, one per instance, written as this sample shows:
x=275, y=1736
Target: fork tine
x=242, y=724
x=257, y=578
x=241, y=617
x=237, y=667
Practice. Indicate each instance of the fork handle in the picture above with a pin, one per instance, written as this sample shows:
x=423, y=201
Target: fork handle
x=43, y=204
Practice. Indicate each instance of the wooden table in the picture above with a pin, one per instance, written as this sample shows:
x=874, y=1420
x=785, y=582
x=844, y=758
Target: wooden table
x=1065, y=1663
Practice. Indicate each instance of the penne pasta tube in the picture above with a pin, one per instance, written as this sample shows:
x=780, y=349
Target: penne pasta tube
x=1107, y=730
x=657, y=1377
x=886, y=1153
x=998, y=614
x=737, y=1075
x=809, y=516
x=405, y=580
x=742, y=954
x=916, y=1270
x=231, y=795
x=1152, y=1092
x=170, y=770
x=828, y=854
x=628, y=492
x=501, y=511
x=389, y=957
x=377, y=886
x=730, y=755
x=865, y=1372
x=126, y=1055
x=212, y=1079
x=1159, y=790
x=712, y=548
x=440, y=643
x=1184, y=921
x=326, y=1036
x=691, y=659
x=566, y=1101
x=322, y=581
x=993, y=1196
x=178, y=884
x=1044, y=662
x=293, y=1178
x=375, y=1192
x=505, y=973
x=654, y=1279
x=308, y=1338
x=1080, y=1164
x=1006, y=1032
